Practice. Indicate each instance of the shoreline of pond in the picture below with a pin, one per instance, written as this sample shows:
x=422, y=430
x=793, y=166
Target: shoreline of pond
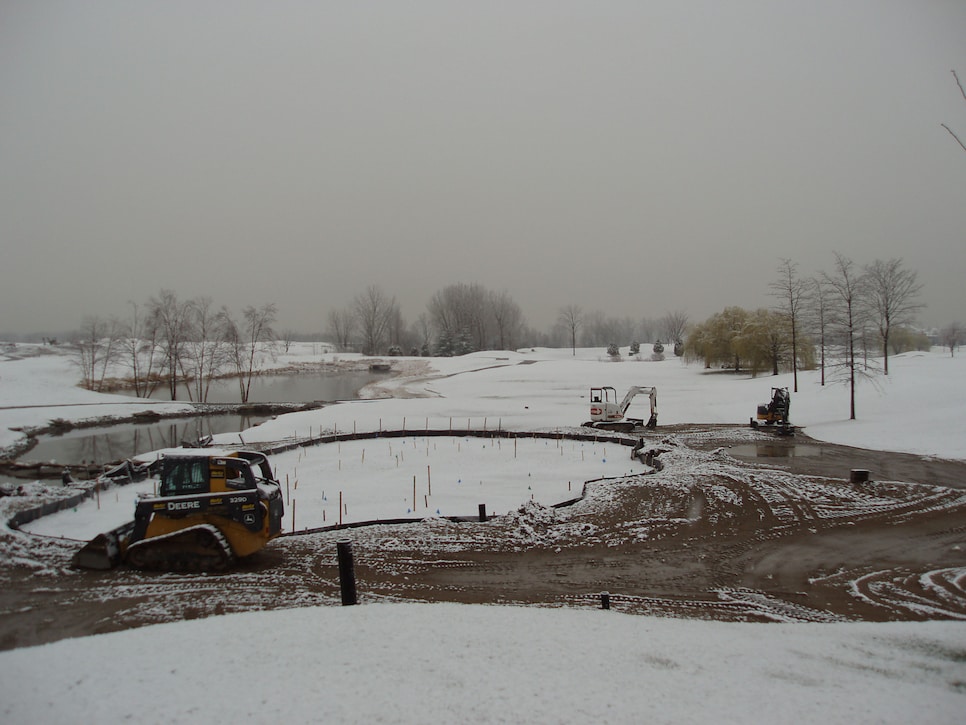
x=14, y=466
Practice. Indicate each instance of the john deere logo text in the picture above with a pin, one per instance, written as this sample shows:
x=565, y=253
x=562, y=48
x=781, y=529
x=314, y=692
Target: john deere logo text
x=182, y=505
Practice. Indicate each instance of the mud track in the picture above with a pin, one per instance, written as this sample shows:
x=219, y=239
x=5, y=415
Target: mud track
x=711, y=536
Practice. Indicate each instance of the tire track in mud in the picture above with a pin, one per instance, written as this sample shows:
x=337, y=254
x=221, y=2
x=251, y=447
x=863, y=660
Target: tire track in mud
x=930, y=595
x=708, y=536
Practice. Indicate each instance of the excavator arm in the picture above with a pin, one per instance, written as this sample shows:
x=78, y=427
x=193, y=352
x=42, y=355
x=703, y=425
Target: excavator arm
x=634, y=392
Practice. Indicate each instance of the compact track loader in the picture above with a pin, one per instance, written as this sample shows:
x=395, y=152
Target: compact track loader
x=776, y=412
x=212, y=507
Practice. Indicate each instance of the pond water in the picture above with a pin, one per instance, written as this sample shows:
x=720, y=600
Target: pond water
x=117, y=442
x=282, y=388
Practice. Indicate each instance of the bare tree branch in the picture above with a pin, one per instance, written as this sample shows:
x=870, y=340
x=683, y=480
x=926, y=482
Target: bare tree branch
x=963, y=92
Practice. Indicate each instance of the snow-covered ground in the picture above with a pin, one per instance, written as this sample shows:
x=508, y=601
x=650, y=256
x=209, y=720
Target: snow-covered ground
x=413, y=663
x=450, y=663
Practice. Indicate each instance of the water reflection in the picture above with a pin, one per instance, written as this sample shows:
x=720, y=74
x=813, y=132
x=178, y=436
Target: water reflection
x=281, y=388
x=117, y=442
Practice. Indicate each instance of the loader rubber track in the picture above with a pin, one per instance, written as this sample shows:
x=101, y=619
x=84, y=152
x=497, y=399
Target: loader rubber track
x=195, y=549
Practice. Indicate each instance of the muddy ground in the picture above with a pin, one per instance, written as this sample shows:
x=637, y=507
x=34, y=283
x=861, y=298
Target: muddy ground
x=779, y=538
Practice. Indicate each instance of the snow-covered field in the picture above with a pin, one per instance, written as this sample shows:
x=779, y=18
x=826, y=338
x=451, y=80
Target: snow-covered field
x=413, y=663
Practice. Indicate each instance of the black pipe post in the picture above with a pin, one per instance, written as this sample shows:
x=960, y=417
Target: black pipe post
x=605, y=600
x=347, y=573
x=482, y=512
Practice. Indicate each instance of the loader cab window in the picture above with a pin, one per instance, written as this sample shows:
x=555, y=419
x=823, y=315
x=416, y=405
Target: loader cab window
x=184, y=477
x=240, y=475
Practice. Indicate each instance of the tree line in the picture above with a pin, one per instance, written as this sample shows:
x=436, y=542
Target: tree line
x=463, y=318
x=175, y=345
x=843, y=321
x=837, y=320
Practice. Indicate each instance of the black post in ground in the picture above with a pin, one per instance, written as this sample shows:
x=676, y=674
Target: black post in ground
x=859, y=475
x=347, y=573
x=605, y=600
x=482, y=512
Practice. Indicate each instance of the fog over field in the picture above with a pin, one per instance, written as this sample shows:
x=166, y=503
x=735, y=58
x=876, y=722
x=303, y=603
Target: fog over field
x=632, y=158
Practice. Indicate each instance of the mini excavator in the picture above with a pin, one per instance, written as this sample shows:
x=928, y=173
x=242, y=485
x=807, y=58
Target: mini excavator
x=606, y=413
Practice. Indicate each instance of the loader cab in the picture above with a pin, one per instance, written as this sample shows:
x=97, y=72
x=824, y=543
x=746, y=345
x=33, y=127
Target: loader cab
x=189, y=475
x=181, y=476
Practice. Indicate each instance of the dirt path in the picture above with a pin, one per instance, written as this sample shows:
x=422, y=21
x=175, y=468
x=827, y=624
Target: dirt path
x=786, y=538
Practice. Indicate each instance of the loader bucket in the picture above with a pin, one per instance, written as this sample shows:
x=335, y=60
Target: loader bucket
x=105, y=550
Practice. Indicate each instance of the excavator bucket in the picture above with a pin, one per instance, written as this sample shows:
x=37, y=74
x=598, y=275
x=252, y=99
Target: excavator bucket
x=104, y=551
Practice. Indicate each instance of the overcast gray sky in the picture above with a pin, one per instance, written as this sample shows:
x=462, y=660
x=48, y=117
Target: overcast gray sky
x=628, y=157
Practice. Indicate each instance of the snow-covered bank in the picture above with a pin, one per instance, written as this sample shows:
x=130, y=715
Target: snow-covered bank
x=919, y=408
x=418, y=663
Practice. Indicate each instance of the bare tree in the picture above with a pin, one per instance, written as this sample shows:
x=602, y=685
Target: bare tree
x=459, y=315
x=172, y=319
x=845, y=285
x=507, y=318
x=396, y=328
x=249, y=343
x=817, y=308
x=373, y=312
x=952, y=336
x=423, y=334
x=789, y=290
x=892, y=298
x=96, y=347
x=963, y=93
x=571, y=318
x=139, y=346
x=673, y=326
x=342, y=326
x=207, y=351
